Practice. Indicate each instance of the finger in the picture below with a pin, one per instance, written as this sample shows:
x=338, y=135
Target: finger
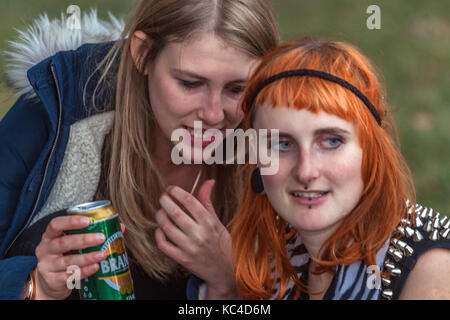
x=60, y=280
x=195, y=208
x=122, y=227
x=168, y=248
x=204, y=196
x=68, y=243
x=89, y=270
x=170, y=230
x=80, y=260
x=176, y=214
x=59, y=224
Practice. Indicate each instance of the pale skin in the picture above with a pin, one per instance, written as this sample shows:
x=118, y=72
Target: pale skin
x=322, y=152
x=51, y=271
x=197, y=80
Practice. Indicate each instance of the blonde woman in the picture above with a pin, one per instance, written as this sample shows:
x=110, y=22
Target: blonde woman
x=96, y=123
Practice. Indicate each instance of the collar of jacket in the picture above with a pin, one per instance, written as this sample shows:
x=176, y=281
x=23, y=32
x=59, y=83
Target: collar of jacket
x=49, y=50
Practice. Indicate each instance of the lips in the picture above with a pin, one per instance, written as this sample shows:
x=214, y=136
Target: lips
x=198, y=135
x=311, y=197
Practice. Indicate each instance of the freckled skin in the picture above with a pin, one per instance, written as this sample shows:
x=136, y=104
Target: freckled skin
x=312, y=160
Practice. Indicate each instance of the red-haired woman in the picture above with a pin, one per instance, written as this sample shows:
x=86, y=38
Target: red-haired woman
x=339, y=219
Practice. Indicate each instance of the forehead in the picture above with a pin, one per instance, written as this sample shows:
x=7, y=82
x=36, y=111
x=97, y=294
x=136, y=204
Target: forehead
x=290, y=120
x=207, y=55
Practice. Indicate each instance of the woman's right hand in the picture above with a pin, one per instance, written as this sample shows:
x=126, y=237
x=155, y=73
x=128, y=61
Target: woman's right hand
x=53, y=258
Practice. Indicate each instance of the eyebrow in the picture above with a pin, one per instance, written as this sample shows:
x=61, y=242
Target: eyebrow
x=332, y=130
x=327, y=130
x=199, y=77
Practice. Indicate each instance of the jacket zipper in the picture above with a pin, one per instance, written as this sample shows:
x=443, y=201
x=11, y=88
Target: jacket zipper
x=47, y=164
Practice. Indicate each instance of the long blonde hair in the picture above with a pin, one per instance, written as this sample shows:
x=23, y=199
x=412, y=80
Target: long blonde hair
x=129, y=176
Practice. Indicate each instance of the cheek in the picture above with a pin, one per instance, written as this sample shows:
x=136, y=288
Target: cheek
x=167, y=98
x=346, y=175
x=233, y=112
x=274, y=185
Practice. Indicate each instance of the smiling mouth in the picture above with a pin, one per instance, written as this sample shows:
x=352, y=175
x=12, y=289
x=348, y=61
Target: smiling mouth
x=195, y=133
x=309, y=194
x=198, y=133
x=309, y=198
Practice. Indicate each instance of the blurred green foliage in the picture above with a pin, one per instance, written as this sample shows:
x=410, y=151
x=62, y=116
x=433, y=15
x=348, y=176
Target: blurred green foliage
x=412, y=50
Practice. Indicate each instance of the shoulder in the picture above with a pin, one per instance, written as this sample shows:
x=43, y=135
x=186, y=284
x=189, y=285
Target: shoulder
x=430, y=278
x=417, y=261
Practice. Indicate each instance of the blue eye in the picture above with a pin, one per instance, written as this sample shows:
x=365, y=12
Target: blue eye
x=283, y=145
x=332, y=142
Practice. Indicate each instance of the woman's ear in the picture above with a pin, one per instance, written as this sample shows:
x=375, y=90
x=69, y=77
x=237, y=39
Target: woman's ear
x=140, y=44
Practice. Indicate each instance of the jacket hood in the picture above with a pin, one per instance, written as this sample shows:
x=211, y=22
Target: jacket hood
x=45, y=37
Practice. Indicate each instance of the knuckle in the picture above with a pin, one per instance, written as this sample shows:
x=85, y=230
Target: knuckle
x=65, y=261
x=199, y=239
x=63, y=243
x=39, y=250
x=176, y=214
x=166, y=228
x=184, y=260
x=53, y=225
x=188, y=200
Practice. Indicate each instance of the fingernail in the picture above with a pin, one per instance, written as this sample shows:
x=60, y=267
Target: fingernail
x=168, y=188
x=101, y=255
x=100, y=237
x=85, y=220
x=93, y=267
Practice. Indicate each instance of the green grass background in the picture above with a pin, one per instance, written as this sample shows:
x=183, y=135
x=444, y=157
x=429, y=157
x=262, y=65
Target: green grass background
x=412, y=49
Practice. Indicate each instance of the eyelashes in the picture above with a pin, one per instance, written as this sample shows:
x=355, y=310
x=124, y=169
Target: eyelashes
x=232, y=88
x=325, y=143
x=332, y=142
x=190, y=84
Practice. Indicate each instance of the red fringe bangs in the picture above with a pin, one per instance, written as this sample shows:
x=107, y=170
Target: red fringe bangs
x=387, y=179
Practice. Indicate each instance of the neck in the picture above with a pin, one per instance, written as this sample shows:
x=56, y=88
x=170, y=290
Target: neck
x=313, y=241
x=182, y=175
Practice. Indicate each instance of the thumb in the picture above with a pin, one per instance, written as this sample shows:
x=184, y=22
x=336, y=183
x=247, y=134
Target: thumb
x=204, y=195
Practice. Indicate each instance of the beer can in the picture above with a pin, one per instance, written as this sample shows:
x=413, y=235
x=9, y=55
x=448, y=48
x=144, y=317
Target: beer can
x=113, y=279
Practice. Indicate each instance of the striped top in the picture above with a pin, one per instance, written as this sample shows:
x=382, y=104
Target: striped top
x=396, y=257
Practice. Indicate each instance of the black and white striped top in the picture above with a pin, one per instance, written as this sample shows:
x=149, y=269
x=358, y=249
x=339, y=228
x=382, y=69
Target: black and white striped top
x=397, y=257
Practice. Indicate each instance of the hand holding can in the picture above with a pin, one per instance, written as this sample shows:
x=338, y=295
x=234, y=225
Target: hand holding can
x=113, y=280
x=53, y=258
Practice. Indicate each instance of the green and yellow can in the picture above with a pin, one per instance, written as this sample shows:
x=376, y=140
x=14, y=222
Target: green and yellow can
x=113, y=279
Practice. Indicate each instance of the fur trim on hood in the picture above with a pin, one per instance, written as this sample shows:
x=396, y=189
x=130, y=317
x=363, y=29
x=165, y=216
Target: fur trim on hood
x=44, y=38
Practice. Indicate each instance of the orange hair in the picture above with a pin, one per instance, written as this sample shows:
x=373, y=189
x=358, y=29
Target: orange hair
x=259, y=249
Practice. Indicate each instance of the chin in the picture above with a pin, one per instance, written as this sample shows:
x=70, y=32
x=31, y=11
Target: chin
x=310, y=220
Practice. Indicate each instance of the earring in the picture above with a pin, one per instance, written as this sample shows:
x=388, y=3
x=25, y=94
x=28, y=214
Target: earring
x=256, y=182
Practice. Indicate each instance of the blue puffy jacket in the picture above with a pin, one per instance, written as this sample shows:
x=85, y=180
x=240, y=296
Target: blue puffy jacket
x=35, y=136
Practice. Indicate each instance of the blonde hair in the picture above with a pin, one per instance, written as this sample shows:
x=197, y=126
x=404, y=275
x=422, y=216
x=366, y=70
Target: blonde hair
x=130, y=178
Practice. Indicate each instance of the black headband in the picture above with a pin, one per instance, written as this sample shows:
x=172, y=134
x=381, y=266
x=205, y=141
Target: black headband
x=319, y=74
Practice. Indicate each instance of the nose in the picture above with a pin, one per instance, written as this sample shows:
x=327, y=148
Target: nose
x=212, y=112
x=306, y=170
